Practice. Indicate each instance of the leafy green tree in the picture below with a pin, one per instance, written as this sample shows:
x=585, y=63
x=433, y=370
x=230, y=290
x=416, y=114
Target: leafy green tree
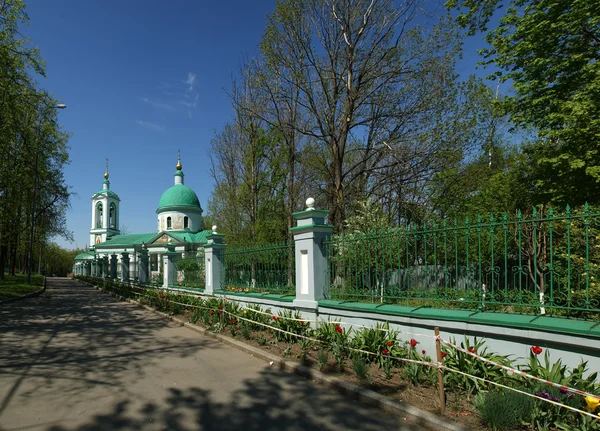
x=549, y=50
x=33, y=147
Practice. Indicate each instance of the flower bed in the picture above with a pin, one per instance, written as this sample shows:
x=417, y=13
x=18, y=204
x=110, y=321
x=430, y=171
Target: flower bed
x=483, y=390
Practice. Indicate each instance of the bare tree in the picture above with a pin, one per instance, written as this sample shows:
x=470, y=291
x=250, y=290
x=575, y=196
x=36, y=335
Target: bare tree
x=366, y=76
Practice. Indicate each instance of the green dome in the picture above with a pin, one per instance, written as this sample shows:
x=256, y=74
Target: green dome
x=178, y=195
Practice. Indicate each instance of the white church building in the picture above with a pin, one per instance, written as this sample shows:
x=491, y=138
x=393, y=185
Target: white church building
x=140, y=256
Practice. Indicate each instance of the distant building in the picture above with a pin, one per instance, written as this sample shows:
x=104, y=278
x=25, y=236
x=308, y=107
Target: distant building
x=179, y=225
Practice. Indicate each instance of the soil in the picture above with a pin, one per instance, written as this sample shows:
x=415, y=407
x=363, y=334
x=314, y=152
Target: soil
x=459, y=408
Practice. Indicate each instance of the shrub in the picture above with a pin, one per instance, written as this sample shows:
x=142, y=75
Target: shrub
x=290, y=322
x=548, y=415
x=246, y=331
x=256, y=314
x=466, y=363
x=322, y=358
x=376, y=340
x=361, y=369
x=504, y=409
x=333, y=333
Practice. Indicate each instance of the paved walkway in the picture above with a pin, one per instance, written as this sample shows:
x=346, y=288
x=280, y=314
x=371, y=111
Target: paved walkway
x=77, y=359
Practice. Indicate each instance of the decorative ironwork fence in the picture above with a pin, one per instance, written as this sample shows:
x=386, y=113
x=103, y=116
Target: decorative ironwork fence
x=269, y=268
x=190, y=272
x=537, y=262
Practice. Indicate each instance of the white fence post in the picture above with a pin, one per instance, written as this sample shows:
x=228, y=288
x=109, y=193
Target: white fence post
x=311, y=262
x=214, y=250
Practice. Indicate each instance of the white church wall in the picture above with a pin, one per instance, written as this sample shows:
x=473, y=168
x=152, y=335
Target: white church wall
x=177, y=221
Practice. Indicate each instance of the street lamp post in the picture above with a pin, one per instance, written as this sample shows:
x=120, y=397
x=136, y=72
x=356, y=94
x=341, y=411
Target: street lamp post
x=35, y=181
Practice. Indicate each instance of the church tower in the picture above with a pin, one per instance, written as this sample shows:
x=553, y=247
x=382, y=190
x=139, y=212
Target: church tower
x=105, y=213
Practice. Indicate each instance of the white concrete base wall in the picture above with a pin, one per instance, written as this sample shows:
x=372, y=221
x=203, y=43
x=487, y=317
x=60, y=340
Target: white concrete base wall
x=571, y=349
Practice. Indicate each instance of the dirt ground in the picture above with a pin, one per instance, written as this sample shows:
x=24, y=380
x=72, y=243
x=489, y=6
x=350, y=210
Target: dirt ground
x=425, y=397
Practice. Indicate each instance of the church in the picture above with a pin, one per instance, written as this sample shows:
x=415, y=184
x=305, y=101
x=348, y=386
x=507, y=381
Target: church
x=113, y=255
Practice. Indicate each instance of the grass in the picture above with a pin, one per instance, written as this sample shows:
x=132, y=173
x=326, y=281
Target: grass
x=13, y=286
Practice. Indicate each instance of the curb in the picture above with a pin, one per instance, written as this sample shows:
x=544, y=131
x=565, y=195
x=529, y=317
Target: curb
x=29, y=295
x=367, y=396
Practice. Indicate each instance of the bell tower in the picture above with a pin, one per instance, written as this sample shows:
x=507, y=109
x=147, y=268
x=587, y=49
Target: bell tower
x=105, y=213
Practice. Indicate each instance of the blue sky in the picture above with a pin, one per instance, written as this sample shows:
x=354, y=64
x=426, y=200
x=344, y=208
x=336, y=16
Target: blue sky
x=142, y=79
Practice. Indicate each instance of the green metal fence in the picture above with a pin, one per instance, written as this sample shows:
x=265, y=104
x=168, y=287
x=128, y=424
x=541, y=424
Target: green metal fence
x=542, y=261
x=190, y=272
x=269, y=268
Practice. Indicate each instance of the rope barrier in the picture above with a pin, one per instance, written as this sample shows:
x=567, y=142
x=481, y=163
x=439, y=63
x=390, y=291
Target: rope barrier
x=521, y=373
x=522, y=392
x=437, y=365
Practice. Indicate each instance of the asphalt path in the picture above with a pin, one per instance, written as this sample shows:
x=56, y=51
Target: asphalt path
x=75, y=358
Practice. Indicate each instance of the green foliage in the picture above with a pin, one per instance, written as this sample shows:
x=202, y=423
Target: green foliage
x=367, y=217
x=468, y=364
x=387, y=365
x=546, y=415
x=305, y=344
x=504, y=409
x=376, y=340
x=256, y=314
x=287, y=350
x=548, y=50
x=361, y=369
x=193, y=271
x=291, y=322
x=332, y=333
x=35, y=149
x=261, y=340
x=322, y=358
x=418, y=374
x=246, y=331
x=15, y=285
x=268, y=268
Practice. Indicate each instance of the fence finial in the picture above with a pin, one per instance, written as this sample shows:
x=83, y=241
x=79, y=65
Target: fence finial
x=310, y=204
x=214, y=229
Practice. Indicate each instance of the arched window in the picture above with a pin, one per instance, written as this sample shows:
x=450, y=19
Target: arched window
x=186, y=222
x=168, y=222
x=112, y=216
x=99, y=214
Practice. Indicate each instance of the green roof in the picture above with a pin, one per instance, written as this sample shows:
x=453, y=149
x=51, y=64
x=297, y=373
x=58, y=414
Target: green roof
x=127, y=239
x=178, y=195
x=130, y=240
x=107, y=192
x=85, y=255
x=198, y=237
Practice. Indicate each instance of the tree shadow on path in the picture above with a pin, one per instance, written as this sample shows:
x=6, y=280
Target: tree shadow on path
x=277, y=400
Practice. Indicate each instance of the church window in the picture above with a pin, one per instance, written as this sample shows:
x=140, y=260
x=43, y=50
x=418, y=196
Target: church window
x=168, y=222
x=154, y=262
x=99, y=214
x=186, y=223
x=112, y=216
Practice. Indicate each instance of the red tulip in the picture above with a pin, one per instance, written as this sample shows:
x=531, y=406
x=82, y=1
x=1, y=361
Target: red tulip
x=339, y=328
x=444, y=354
x=389, y=344
x=423, y=351
x=472, y=350
x=413, y=342
x=385, y=351
x=536, y=350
